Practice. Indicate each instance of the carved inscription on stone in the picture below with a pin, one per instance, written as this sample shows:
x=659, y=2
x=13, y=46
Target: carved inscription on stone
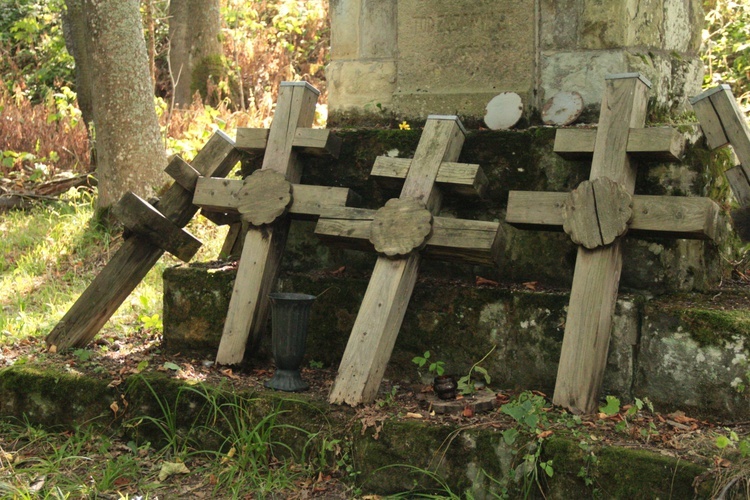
x=465, y=45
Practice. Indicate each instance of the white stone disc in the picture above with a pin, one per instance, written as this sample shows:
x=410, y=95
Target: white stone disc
x=503, y=111
x=562, y=109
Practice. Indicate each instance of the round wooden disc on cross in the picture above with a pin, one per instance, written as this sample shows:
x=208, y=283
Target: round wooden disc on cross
x=265, y=196
x=400, y=226
x=597, y=212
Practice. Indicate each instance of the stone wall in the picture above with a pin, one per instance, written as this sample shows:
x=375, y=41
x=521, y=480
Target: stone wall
x=410, y=58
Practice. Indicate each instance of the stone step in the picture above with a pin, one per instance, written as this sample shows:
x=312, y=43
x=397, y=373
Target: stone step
x=686, y=351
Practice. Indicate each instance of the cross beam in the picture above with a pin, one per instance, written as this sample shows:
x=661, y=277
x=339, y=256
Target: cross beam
x=596, y=216
x=398, y=232
x=267, y=200
x=156, y=228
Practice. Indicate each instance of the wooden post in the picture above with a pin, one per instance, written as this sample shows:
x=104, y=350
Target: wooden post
x=140, y=252
x=607, y=203
x=264, y=200
x=398, y=231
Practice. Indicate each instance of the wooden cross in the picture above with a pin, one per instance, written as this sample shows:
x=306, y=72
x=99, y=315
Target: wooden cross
x=155, y=228
x=596, y=215
x=263, y=200
x=398, y=232
x=723, y=122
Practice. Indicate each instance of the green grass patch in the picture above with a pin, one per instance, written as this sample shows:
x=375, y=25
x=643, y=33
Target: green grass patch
x=52, y=252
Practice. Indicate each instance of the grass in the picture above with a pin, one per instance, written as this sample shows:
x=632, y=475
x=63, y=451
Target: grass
x=247, y=460
x=53, y=251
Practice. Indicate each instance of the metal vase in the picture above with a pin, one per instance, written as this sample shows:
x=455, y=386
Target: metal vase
x=290, y=313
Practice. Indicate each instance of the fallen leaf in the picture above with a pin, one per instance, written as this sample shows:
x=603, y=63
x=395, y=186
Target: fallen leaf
x=172, y=468
x=484, y=281
x=413, y=415
x=468, y=412
x=338, y=271
x=171, y=366
x=531, y=285
x=722, y=462
x=114, y=407
x=52, y=349
x=544, y=435
x=228, y=373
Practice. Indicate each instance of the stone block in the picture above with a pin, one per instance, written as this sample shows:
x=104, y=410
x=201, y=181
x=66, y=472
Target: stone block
x=683, y=24
x=694, y=355
x=603, y=25
x=364, y=85
x=345, y=34
x=466, y=46
x=558, y=24
x=379, y=29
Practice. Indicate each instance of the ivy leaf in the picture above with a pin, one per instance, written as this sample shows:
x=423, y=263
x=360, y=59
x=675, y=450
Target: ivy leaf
x=612, y=407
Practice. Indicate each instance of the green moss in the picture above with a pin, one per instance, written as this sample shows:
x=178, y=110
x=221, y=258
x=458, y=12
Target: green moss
x=714, y=327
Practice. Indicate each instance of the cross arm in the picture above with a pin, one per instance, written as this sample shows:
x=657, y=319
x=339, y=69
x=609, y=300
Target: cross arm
x=220, y=195
x=462, y=178
x=655, y=144
x=459, y=240
x=140, y=217
x=670, y=216
x=312, y=141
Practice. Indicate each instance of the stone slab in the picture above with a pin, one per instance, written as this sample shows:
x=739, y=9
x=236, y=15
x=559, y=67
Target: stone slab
x=466, y=46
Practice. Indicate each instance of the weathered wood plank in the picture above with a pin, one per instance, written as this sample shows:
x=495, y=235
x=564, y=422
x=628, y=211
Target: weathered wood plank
x=252, y=140
x=734, y=126
x=136, y=256
x=461, y=178
x=183, y=173
x=709, y=119
x=140, y=217
x=317, y=141
x=597, y=273
x=452, y=240
x=220, y=195
x=738, y=181
x=311, y=141
x=653, y=216
x=648, y=144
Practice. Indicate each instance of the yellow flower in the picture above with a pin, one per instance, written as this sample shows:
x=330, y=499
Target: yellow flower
x=404, y=126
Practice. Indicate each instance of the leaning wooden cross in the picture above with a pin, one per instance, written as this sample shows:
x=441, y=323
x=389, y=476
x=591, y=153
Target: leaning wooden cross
x=723, y=122
x=155, y=228
x=596, y=215
x=264, y=199
x=398, y=232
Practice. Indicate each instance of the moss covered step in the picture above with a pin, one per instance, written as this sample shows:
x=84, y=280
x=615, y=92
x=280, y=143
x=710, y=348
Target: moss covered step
x=686, y=351
x=391, y=455
x=521, y=160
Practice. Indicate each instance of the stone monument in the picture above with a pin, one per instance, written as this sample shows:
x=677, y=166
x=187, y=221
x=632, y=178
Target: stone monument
x=411, y=58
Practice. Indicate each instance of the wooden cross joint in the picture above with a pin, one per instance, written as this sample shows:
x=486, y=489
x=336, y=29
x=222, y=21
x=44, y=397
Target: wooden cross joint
x=597, y=212
x=311, y=141
x=143, y=219
x=401, y=226
x=264, y=197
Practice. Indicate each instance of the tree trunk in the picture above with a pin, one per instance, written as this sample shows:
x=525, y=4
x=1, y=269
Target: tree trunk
x=195, y=47
x=130, y=152
x=74, y=32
